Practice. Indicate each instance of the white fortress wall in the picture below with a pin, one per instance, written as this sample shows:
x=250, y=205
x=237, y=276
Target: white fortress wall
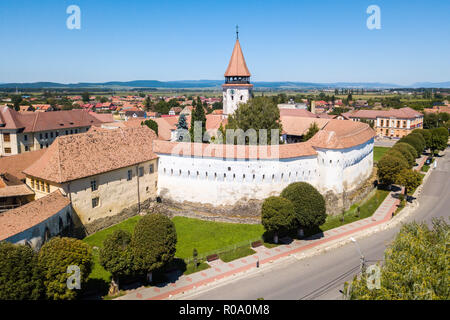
x=345, y=168
x=220, y=181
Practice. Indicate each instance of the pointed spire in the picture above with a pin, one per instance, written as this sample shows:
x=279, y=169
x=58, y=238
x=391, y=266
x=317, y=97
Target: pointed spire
x=237, y=66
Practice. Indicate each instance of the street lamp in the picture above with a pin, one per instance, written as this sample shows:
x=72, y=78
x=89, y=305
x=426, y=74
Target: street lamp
x=362, y=259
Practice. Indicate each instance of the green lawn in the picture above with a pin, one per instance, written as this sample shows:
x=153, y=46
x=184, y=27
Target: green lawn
x=366, y=210
x=205, y=236
x=236, y=254
x=378, y=153
x=227, y=239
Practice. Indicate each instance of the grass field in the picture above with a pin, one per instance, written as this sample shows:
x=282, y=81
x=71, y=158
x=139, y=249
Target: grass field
x=205, y=236
x=232, y=240
x=378, y=153
x=366, y=210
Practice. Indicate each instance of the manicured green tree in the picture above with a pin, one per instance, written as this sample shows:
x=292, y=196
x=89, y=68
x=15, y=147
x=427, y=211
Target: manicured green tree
x=403, y=155
x=389, y=167
x=20, y=278
x=277, y=216
x=402, y=147
x=405, y=152
x=86, y=97
x=198, y=115
x=116, y=257
x=415, y=142
x=258, y=113
x=426, y=134
x=409, y=179
x=153, y=244
x=439, y=139
x=415, y=267
x=313, y=129
x=55, y=257
x=309, y=205
x=151, y=124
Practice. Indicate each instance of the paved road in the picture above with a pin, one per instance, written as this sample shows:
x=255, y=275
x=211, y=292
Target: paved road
x=322, y=276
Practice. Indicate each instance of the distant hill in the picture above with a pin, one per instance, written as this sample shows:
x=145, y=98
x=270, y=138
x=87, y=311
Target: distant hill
x=212, y=84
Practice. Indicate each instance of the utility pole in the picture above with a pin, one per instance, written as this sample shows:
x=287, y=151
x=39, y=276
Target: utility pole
x=362, y=259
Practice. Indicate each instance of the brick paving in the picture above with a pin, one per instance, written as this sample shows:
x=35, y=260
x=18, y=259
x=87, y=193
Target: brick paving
x=263, y=255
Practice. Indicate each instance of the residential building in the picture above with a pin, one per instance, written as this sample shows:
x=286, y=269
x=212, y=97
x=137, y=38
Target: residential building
x=102, y=171
x=394, y=123
x=23, y=132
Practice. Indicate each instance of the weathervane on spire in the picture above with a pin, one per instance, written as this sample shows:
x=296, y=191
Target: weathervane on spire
x=237, y=32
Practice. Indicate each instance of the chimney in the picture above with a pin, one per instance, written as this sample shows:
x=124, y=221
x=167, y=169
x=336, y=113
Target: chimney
x=313, y=107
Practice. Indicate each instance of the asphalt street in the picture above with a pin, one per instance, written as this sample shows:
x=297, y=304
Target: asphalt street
x=322, y=276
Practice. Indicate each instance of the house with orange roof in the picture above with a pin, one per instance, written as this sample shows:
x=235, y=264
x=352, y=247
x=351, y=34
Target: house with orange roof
x=102, y=172
x=23, y=132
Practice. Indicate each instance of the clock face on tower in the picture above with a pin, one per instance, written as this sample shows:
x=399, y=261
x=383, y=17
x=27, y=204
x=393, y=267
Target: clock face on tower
x=232, y=91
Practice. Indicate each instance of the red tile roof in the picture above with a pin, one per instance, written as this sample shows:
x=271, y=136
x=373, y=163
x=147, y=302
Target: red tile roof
x=43, y=121
x=237, y=66
x=96, y=151
x=15, y=164
x=27, y=216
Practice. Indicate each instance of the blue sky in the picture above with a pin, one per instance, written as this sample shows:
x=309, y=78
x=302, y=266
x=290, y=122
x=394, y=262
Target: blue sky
x=295, y=40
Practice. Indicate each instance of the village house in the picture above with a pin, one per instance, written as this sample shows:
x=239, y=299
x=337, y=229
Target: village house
x=23, y=132
x=102, y=171
x=394, y=123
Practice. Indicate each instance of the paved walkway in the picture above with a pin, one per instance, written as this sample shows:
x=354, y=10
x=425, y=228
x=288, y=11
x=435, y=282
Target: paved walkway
x=220, y=269
x=420, y=163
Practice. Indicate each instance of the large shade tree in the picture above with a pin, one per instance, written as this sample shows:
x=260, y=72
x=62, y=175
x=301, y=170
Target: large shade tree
x=277, y=216
x=309, y=205
x=54, y=259
x=415, y=267
x=260, y=113
x=154, y=243
x=389, y=167
x=116, y=257
x=20, y=278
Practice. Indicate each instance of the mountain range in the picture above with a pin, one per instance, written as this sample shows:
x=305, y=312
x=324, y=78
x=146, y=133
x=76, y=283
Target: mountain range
x=216, y=84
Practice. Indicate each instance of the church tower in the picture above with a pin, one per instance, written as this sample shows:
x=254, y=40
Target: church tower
x=237, y=88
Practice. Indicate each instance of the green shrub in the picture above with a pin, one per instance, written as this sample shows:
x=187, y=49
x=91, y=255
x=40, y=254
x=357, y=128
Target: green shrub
x=389, y=167
x=416, y=141
x=277, y=215
x=20, y=278
x=309, y=204
x=403, y=155
x=154, y=243
x=402, y=146
x=54, y=258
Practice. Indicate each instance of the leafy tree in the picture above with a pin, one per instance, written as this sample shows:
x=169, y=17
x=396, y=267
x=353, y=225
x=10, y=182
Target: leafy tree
x=54, y=258
x=153, y=244
x=402, y=146
x=410, y=179
x=309, y=204
x=116, y=257
x=198, y=114
x=313, y=129
x=426, y=134
x=395, y=152
x=151, y=124
x=85, y=96
x=162, y=107
x=415, y=142
x=259, y=113
x=389, y=167
x=415, y=266
x=439, y=139
x=16, y=100
x=20, y=278
x=277, y=215
x=148, y=104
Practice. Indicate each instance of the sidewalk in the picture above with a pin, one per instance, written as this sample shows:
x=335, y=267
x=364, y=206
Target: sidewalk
x=220, y=269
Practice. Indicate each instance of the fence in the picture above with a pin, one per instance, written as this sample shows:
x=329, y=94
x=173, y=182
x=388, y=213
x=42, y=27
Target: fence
x=202, y=255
